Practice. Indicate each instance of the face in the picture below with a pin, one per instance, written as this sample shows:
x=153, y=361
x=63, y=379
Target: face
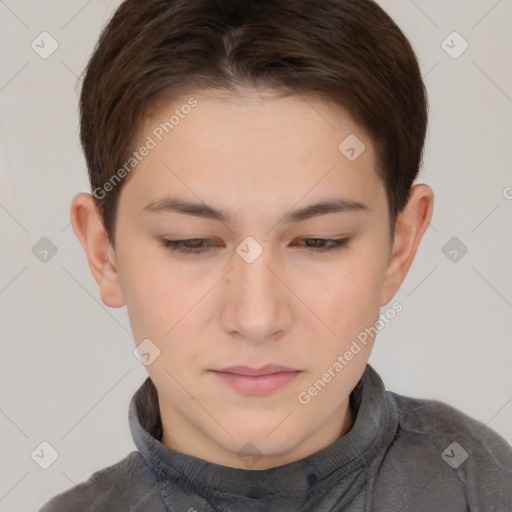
x=250, y=292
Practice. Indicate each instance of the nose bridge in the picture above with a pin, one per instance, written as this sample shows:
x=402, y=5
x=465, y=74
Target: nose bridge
x=257, y=303
x=256, y=282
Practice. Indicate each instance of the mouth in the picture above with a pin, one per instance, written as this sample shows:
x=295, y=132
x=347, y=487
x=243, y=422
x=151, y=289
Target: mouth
x=256, y=381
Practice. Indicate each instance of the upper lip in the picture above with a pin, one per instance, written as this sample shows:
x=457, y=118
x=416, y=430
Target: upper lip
x=264, y=370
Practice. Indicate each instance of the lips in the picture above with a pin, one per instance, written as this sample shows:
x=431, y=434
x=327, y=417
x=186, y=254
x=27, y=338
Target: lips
x=264, y=370
x=256, y=381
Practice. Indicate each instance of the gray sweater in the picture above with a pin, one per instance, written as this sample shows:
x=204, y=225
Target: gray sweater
x=401, y=454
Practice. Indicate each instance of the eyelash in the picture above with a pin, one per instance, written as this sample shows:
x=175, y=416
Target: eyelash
x=180, y=245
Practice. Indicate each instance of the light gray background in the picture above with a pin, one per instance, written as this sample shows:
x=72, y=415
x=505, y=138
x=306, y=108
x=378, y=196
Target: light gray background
x=67, y=371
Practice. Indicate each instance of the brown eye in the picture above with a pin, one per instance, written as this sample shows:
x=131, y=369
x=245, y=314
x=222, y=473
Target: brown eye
x=192, y=246
x=325, y=244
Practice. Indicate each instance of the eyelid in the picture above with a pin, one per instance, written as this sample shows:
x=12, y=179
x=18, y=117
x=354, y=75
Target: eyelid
x=333, y=245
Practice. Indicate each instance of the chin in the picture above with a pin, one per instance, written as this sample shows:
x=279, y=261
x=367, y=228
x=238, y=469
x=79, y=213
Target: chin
x=267, y=440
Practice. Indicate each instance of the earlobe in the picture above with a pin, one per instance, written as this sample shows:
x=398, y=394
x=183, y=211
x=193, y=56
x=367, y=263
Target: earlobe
x=91, y=234
x=410, y=227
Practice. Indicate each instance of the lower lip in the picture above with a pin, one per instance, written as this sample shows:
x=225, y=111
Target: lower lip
x=257, y=384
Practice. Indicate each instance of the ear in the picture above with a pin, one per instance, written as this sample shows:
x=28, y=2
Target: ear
x=411, y=224
x=89, y=230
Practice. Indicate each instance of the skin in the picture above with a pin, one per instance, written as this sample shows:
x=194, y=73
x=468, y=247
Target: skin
x=257, y=157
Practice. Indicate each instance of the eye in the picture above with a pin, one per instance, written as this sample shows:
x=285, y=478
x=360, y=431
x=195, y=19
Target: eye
x=325, y=244
x=192, y=246
x=203, y=245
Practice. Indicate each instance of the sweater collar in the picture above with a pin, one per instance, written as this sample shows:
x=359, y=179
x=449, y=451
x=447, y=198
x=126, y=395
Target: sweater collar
x=374, y=427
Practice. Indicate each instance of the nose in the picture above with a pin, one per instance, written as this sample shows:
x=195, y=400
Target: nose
x=257, y=306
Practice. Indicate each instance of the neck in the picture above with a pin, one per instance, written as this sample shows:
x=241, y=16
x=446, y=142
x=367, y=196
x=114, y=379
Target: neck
x=182, y=436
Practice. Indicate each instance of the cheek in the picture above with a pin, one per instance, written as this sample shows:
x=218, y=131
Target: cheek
x=152, y=300
x=349, y=299
x=164, y=305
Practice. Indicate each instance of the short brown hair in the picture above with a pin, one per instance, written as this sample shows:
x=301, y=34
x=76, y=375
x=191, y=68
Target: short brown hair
x=347, y=51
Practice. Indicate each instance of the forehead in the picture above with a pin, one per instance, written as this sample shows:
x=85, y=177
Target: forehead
x=261, y=112
x=254, y=145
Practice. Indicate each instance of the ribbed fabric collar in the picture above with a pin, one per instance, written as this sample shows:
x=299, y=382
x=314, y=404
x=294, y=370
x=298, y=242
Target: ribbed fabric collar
x=373, y=430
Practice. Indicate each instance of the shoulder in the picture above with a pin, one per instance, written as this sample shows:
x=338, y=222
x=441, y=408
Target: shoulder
x=442, y=424
x=458, y=455
x=126, y=485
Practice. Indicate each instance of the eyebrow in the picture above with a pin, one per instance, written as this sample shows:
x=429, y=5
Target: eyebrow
x=176, y=205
